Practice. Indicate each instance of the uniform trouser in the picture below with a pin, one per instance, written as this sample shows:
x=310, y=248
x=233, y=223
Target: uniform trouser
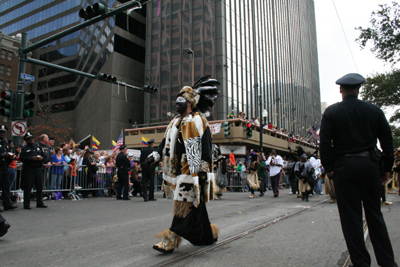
x=294, y=184
x=2, y=219
x=123, y=182
x=5, y=185
x=357, y=184
x=32, y=177
x=275, y=183
x=148, y=182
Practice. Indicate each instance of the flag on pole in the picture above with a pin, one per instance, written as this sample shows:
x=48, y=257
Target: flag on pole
x=119, y=143
x=95, y=144
x=144, y=141
x=113, y=144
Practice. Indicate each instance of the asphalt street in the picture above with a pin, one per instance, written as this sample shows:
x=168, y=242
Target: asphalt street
x=263, y=231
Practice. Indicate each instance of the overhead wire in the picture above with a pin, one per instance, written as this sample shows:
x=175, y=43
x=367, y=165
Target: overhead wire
x=345, y=36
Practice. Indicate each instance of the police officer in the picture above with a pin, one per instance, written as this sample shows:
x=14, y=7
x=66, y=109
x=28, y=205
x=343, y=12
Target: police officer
x=32, y=157
x=123, y=165
x=349, y=133
x=148, y=172
x=5, y=160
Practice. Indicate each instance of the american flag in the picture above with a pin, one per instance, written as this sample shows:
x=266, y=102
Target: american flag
x=120, y=142
x=314, y=132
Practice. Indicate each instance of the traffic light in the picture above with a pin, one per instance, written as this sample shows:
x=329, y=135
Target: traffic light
x=106, y=78
x=93, y=11
x=249, y=131
x=149, y=89
x=28, y=105
x=227, y=129
x=5, y=104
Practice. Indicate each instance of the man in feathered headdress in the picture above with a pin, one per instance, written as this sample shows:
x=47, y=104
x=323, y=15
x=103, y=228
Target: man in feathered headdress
x=186, y=153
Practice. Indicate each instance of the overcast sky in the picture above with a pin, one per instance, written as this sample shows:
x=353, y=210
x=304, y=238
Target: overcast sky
x=334, y=56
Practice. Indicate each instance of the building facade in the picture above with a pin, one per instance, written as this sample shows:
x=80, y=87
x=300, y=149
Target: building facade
x=114, y=46
x=257, y=49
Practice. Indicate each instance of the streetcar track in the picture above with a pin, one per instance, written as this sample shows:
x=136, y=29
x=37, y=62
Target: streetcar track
x=236, y=237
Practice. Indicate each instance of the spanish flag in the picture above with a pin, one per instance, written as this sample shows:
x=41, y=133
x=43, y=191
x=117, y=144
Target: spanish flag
x=113, y=144
x=95, y=144
x=144, y=141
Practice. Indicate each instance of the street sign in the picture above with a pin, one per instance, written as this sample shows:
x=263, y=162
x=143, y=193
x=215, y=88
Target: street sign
x=18, y=128
x=27, y=77
x=26, y=82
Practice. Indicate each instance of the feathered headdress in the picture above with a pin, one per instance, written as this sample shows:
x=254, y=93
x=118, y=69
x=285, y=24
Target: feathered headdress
x=206, y=87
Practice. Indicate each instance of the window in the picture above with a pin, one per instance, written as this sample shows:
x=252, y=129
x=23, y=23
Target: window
x=2, y=69
x=1, y=84
x=9, y=57
x=3, y=54
x=7, y=85
x=8, y=73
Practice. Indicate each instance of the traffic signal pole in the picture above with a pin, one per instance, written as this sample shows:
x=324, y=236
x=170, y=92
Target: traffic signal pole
x=19, y=104
x=24, y=50
x=85, y=24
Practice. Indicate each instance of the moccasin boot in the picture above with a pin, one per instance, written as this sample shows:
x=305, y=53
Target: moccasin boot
x=169, y=243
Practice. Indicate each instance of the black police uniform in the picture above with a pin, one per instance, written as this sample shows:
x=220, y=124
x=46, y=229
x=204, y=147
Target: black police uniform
x=4, y=176
x=349, y=131
x=123, y=165
x=148, y=172
x=32, y=173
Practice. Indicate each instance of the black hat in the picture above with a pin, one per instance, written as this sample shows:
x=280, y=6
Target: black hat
x=150, y=141
x=122, y=147
x=28, y=135
x=3, y=129
x=351, y=79
x=88, y=151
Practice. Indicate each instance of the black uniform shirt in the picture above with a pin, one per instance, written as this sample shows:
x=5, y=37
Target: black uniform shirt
x=46, y=152
x=4, y=148
x=122, y=162
x=145, y=153
x=27, y=154
x=353, y=126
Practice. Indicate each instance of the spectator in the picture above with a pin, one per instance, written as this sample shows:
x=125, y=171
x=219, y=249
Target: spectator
x=270, y=126
x=12, y=167
x=232, y=158
x=57, y=170
x=230, y=115
x=73, y=174
x=50, y=143
x=257, y=122
x=110, y=170
x=159, y=173
x=18, y=165
x=100, y=174
x=67, y=157
x=90, y=169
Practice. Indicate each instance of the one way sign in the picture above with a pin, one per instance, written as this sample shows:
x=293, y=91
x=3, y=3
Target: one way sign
x=27, y=77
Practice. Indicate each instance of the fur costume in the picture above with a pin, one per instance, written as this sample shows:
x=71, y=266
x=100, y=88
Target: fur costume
x=186, y=153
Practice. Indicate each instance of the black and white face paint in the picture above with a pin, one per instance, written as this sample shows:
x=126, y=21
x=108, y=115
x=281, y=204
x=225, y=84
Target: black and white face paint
x=181, y=104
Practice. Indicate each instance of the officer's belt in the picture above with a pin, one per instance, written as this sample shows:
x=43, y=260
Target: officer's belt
x=365, y=154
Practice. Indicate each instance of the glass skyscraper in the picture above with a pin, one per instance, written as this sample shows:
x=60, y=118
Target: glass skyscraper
x=115, y=46
x=255, y=48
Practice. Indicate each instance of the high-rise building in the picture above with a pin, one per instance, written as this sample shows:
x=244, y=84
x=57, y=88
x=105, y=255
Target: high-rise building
x=114, y=46
x=257, y=48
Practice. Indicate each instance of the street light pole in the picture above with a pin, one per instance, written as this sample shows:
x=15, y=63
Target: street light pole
x=190, y=52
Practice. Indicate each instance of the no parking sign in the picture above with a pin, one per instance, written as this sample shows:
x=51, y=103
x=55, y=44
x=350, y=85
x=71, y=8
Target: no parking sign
x=18, y=128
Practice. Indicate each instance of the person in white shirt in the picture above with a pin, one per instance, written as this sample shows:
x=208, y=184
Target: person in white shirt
x=316, y=164
x=276, y=163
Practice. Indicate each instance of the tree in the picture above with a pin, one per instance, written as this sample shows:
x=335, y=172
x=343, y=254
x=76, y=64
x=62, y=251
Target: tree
x=45, y=121
x=383, y=90
x=384, y=33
